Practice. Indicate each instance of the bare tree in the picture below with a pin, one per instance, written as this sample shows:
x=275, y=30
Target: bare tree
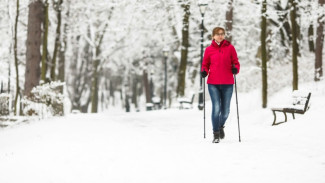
x=63, y=47
x=16, y=57
x=184, y=50
x=80, y=75
x=319, y=45
x=229, y=18
x=57, y=44
x=264, y=55
x=33, y=54
x=293, y=15
x=146, y=86
x=95, y=76
x=311, y=38
x=45, y=37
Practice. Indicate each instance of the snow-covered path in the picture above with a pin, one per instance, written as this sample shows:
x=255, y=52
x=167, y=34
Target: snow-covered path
x=165, y=146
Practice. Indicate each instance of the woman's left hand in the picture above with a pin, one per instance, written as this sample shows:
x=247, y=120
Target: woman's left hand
x=234, y=70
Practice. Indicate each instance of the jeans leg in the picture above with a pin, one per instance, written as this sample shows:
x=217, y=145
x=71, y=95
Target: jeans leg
x=215, y=100
x=226, y=94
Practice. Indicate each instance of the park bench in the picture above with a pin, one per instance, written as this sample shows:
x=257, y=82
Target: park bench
x=156, y=101
x=5, y=104
x=300, y=104
x=188, y=101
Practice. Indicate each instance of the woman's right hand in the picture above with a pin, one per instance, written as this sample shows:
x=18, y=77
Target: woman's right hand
x=204, y=74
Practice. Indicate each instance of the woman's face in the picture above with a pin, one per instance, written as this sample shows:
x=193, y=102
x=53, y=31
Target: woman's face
x=220, y=36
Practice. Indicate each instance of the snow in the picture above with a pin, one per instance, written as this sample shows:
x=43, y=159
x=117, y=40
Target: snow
x=168, y=146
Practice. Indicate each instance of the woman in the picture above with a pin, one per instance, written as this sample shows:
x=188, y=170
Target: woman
x=220, y=62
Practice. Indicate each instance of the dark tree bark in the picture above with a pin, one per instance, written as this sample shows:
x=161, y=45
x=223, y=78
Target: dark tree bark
x=184, y=50
x=229, y=18
x=45, y=36
x=95, y=76
x=81, y=76
x=1, y=88
x=285, y=30
x=311, y=42
x=94, y=87
x=57, y=44
x=96, y=68
x=16, y=58
x=293, y=4
x=75, y=95
x=33, y=54
x=319, y=45
x=264, y=55
x=63, y=47
x=146, y=86
x=311, y=38
x=135, y=91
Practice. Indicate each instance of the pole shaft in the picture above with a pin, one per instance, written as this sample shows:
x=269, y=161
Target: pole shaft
x=202, y=83
x=204, y=104
x=237, y=107
x=200, y=106
x=165, y=88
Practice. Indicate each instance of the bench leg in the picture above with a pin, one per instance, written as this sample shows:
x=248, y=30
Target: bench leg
x=285, y=116
x=274, y=118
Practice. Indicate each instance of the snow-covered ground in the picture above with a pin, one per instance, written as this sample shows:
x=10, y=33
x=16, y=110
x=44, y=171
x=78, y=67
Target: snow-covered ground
x=167, y=146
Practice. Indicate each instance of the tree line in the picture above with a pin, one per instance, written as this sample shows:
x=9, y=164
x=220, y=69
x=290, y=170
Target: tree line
x=108, y=53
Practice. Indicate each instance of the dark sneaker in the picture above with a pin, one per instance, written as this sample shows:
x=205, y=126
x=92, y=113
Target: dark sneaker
x=216, y=137
x=222, y=132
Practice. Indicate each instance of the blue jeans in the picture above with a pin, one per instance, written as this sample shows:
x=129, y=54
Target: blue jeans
x=220, y=98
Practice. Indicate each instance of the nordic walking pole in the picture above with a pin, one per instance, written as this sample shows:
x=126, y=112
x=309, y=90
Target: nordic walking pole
x=204, y=104
x=237, y=107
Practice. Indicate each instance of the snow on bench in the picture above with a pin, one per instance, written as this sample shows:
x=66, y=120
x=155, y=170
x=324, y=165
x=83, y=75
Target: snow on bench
x=300, y=104
x=156, y=102
x=187, y=101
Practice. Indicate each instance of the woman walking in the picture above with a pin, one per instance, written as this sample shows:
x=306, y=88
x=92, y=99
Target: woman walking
x=220, y=62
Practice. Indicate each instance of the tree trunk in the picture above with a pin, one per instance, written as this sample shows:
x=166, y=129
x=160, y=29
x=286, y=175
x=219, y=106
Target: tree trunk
x=84, y=107
x=33, y=54
x=294, y=44
x=16, y=58
x=45, y=36
x=184, y=50
x=94, y=87
x=63, y=48
x=9, y=75
x=146, y=86
x=135, y=91
x=76, y=94
x=264, y=55
x=311, y=38
x=319, y=45
x=1, y=88
x=229, y=15
x=285, y=30
x=57, y=44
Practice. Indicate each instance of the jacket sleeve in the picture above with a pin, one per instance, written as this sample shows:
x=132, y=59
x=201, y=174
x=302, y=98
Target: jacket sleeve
x=234, y=59
x=206, y=62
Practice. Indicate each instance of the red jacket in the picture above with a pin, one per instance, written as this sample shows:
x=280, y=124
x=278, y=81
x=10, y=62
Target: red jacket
x=218, y=62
